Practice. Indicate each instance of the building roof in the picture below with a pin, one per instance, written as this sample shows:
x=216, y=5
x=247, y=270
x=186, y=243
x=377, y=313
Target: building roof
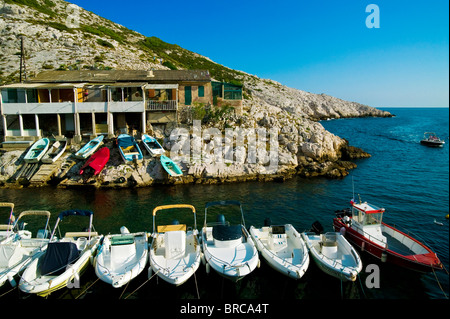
x=104, y=76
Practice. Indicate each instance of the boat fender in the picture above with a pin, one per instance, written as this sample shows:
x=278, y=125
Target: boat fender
x=363, y=244
x=208, y=269
x=383, y=257
x=342, y=231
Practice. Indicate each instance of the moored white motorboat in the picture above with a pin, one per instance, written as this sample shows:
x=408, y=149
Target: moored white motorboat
x=283, y=249
x=63, y=261
x=363, y=227
x=334, y=255
x=175, y=252
x=228, y=249
x=17, y=251
x=121, y=257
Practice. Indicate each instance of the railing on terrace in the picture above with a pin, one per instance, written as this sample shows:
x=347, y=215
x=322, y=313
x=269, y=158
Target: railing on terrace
x=170, y=105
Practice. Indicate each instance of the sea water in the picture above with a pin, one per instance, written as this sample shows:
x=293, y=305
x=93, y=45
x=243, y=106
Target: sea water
x=409, y=180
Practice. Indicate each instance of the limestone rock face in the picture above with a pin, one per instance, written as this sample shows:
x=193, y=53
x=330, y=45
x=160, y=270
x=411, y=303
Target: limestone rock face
x=277, y=134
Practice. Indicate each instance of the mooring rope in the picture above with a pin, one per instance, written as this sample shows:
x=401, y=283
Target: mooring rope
x=196, y=286
x=86, y=289
x=142, y=284
x=439, y=284
x=126, y=286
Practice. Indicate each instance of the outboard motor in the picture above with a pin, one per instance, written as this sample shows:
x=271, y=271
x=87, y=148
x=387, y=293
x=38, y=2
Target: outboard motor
x=317, y=227
x=267, y=222
x=221, y=219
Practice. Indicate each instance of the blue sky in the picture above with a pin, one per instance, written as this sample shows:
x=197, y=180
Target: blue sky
x=320, y=46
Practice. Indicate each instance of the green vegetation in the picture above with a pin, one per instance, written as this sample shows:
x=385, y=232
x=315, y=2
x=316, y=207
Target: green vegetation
x=105, y=43
x=102, y=31
x=45, y=8
x=210, y=114
x=182, y=58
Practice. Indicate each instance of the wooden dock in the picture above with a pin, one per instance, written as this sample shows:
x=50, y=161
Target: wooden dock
x=45, y=173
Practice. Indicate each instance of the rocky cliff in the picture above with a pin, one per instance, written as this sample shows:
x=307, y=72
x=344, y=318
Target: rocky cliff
x=59, y=35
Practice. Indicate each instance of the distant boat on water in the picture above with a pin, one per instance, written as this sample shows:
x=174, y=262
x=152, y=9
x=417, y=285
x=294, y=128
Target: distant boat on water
x=431, y=139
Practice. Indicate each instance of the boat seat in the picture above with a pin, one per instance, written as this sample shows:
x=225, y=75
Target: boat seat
x=277, y=242
x=175, y=242
x=329, y=246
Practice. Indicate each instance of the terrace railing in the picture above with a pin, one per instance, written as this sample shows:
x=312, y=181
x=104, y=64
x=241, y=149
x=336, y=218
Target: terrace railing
x=169, y=105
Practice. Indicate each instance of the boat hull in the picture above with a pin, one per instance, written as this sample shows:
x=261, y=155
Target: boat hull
x=170, y=166
x=233, y=262
x=292, y=260
x=37, y=151
x=89, y=148
x=127, y=266
x=128, y=148
x=31, y=282
x=97, y=161
x=152, y=145
x=420, y=263
x=347, y=264
x=55, y=152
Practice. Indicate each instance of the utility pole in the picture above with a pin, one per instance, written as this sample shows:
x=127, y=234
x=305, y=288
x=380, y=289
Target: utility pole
x=23, y=67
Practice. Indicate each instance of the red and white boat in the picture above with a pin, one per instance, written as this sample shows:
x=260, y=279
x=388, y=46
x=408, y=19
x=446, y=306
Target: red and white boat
x=363, y=227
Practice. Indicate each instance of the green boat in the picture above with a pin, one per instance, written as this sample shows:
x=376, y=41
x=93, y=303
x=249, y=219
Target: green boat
x=37, y=151
x=171, y=168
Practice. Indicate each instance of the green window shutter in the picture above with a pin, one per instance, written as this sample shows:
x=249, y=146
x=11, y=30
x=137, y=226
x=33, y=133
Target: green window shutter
x=201, y=91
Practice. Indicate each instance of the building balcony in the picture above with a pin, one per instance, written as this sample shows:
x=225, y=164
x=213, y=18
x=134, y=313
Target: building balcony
x=169, y=105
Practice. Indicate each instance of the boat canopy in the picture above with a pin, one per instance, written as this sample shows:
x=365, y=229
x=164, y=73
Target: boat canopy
x=125, y=140
x=75, y=212
x=167, y=227
x=226, y=232
x=367, y=208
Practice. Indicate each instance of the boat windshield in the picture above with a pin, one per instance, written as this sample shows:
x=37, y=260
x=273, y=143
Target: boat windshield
x=373, y=219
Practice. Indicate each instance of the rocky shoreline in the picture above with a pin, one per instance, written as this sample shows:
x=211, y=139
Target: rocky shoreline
x=149, y=172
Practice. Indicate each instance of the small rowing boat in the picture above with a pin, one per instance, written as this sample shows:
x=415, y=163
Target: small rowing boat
x=129, y=149
x=170, y=166
x=152, y=145
x=89, y=148
x=37, y=151
x=96, y=162
x=55, y=151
